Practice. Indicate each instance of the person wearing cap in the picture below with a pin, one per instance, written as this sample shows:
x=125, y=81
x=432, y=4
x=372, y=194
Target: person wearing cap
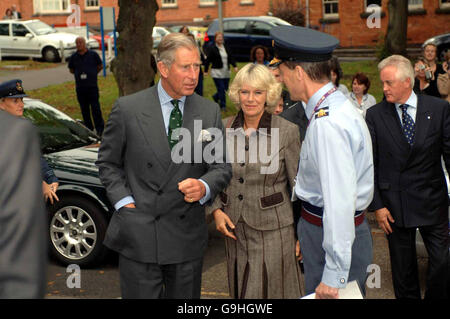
x=23, y=220
x=11, y=101
x=85, y=65
x=335, y=176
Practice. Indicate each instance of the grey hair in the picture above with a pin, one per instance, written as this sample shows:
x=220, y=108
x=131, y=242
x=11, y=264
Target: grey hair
x=170, y=43
x=404, y=67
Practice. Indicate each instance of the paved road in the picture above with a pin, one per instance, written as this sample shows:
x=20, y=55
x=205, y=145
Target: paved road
x=103, y=282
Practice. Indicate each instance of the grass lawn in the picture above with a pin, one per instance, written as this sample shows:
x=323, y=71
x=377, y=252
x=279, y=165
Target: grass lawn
x=63, y=96
x=7, y=65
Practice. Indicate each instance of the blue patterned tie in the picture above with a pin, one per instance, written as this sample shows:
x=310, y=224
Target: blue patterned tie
x=408, y=124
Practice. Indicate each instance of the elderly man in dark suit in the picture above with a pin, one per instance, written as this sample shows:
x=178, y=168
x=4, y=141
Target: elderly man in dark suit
x=410, y=133
x=22, y=214
x=159, y=228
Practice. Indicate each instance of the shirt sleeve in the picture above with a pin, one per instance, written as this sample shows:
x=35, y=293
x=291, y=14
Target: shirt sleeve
x=207, y=196
x=333, y=156
x=124, y=201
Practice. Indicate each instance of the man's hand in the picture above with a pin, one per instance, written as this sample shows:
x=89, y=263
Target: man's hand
x=326, y=292
x=298, y=252
x=131, y=205
x=222, y=220
x=383, y=217
x=193, y=189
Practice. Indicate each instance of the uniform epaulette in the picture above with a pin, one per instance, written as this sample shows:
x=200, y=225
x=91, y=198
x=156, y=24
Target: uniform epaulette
x=322, y=112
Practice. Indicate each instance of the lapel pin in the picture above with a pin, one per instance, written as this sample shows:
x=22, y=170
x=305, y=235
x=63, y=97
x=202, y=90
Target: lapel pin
x=429, y=117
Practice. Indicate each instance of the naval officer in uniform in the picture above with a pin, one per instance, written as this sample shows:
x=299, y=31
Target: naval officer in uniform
x=335, y=180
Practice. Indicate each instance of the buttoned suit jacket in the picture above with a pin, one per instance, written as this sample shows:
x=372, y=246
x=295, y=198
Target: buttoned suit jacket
x=135, y=160
x=409, y=181
x=262, y=201
x=23, y=219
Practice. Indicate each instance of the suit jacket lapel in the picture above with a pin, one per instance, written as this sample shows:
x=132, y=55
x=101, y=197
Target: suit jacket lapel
x=423, y=120
x=152, y=125
x=394, y=126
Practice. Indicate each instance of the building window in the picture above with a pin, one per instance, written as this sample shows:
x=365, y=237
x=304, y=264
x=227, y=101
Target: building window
x=207, y=2
x=92, y=4
x=415, y=4
x=330, y=8
x=169, y=3
x=444, y=4
x=370, y=5
x=51, y=6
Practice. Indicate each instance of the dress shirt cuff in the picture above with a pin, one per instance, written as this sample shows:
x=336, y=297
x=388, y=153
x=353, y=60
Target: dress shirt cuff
x=207, y=196
x=124, y=201
x=333, y=278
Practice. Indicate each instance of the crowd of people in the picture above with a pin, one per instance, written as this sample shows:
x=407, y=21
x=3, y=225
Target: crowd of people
x=301, y=227
x=12, y=13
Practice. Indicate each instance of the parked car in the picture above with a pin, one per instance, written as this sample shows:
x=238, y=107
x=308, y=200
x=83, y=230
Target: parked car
x=157, y=34
x=442, y=42
x=36, y=39
x=243, y=33
x=78, y=221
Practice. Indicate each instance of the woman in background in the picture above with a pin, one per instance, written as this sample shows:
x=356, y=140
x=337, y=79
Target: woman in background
x=359, y=95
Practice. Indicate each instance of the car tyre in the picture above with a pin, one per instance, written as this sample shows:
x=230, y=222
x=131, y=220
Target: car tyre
x=50, y=55
x=77, y=228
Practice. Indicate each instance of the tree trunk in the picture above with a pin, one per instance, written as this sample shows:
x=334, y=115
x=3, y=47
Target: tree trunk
x=396, y=35
x=132, y=66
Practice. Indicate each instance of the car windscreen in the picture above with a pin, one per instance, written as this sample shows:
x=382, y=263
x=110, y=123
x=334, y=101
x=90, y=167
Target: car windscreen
x=57, y=131
x=40, y=28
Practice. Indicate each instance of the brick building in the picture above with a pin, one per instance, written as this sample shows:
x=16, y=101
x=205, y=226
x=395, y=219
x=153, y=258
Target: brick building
x=345, y=19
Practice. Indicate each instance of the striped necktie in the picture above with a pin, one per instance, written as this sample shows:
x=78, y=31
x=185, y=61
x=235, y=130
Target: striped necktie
x=175, y=121
x=408, y=124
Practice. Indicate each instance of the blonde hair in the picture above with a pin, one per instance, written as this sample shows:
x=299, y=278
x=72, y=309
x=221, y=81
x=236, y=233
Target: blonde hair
x=259, y=77
x=404, y=68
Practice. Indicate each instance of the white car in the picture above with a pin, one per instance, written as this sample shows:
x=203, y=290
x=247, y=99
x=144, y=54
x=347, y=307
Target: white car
x=36, y=39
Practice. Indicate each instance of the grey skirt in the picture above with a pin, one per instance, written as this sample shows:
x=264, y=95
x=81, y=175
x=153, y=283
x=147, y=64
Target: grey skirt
x=262, y=264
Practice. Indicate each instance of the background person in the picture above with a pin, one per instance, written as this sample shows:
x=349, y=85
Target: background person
x=430, y=55
x=256, y=206
x=336, y=75
x=443, y=81
x=85, y=65
x=259, y=54
x=8, y=14
x=218, y=55
x=359, y=95
x=11, y=101
x=424, y=83
x=16, y=14
x=23, y=219
x=410, y=133
x=159, y=227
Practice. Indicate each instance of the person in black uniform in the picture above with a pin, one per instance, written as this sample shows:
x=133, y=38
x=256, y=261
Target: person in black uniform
x=86, y=64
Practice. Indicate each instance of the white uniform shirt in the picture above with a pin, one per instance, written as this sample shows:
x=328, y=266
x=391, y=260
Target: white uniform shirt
x=336, y=173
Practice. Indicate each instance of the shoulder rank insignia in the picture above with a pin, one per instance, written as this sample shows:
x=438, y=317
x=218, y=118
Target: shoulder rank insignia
x=322, y=112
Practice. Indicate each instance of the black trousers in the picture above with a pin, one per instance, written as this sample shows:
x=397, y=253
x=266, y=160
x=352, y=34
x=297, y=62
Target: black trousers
x=88, y=98
x=152, y=281
x=402, y=248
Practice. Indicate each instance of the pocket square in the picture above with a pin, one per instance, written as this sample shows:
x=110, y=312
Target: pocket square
x=204, y=136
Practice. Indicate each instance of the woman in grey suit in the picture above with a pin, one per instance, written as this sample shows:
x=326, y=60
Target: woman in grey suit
x=255, y=212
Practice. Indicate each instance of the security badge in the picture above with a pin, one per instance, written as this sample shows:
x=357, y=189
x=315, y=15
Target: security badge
x=83, y=76
x=322, y=112
x=19, y=87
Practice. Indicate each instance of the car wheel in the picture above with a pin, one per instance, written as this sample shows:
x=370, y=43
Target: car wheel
x=50, y=55
x=77, y=229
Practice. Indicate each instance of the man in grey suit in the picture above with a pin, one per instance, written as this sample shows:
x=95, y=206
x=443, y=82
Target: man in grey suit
x=22, y=214
x=159, y=227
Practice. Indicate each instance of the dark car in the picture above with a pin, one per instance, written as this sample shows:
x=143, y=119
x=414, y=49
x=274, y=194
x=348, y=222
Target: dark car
x=442, y=42
x=78, y=221
x=243, y=33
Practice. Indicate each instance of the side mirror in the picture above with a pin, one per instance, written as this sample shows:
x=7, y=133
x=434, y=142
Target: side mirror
x=29, y=36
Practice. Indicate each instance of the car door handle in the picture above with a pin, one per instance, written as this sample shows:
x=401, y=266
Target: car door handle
x=15, y=39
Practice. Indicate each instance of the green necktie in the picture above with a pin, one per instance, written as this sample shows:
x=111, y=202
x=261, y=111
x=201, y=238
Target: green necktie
x=175, y=121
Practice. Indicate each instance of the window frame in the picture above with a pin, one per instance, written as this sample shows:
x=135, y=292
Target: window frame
x=91, y=7
x=366, y=9
x=415, y=6
x=169, y=5
x=444, y=5
x=38, y=7
x=330, y=15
